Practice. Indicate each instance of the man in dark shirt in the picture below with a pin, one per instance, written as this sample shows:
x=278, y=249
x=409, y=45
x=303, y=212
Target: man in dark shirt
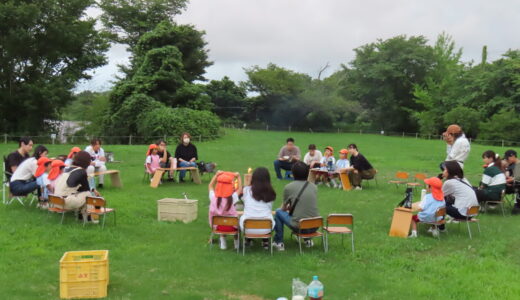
x=186, y=154
x=360, y=168
x=14, y=159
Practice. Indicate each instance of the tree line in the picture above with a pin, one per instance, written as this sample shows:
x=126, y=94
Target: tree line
x=402, y=84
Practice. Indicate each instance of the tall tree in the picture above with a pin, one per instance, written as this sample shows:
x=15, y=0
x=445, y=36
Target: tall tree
x=45, y=48
x=227, y=97
x=128, y=20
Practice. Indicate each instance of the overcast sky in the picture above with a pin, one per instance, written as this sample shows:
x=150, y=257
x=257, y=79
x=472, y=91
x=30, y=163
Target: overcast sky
x=304, y=35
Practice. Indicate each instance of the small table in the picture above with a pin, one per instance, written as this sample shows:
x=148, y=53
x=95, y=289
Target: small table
x=402, y=220
x=343, y=176
x=114, y=177
x=159, y=172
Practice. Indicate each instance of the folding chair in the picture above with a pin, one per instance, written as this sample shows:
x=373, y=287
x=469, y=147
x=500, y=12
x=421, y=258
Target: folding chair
x=5, y=181
x=439, y=213
x=400, y=178
x=472, y=212
x=57, y=205
x=340, y=223
x=224, y=221
x=97, y=206
x=266, y=224
x=499, y=202
x=418, y=180
x=309, y=223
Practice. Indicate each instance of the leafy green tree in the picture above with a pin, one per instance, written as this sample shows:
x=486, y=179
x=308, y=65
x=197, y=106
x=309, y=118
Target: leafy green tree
x=128, y=20
x=382, y=77
x=502, y=126
x=45, y=48
x=468, y=118
x=227, y=97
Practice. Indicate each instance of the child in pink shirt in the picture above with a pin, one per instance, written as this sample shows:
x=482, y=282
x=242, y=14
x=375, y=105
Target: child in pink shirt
x=152, y=159
x=222, y=197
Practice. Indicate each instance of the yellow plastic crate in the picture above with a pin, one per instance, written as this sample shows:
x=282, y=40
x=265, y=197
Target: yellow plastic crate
x=84, y=274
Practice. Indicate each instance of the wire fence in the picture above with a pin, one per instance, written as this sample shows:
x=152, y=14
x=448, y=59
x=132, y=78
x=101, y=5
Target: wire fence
x=144, y=140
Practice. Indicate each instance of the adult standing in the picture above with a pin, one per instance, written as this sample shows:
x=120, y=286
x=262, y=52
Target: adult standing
x=15, y=158
x=167, y=160
x=73, y=185
x=97, y=164
x=458, y=188
x=300, y=200
x=22, y=182
x=457, y=145
x=186, y=154
x=359, y=168
x=288, y=155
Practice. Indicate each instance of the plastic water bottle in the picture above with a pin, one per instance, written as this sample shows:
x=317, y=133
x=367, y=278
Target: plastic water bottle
x=315, y=289
x=423, y=194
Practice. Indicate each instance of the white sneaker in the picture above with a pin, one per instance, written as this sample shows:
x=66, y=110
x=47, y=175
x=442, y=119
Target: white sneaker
x=236, y=243
x=223, y=244
x=413, y=234
x=309, y=243
x=279, y=246
x=435, y=232
x=358, y=188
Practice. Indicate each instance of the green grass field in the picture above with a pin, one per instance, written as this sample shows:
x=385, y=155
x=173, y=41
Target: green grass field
x=162, y=260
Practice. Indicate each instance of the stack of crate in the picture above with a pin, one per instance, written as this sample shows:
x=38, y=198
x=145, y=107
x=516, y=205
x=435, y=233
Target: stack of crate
x=84, y=274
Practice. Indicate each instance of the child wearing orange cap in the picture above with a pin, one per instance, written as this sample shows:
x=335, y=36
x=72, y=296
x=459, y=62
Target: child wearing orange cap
x=222, y=197
x=153, y=161
x=70, y=157
x=328, y=163
x=429, y=205
x=41, y=175
x=57, y=167
x=342, y=165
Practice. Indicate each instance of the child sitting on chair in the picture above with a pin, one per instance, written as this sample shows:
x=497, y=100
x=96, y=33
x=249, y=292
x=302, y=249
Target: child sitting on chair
x=341, y=165
x=70, y=157
x=222, y=197
x=328, y=164
x=429, y=205
x=153, y=160
x=41, y=175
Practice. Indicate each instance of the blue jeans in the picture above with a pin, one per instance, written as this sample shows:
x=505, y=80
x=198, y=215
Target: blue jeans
x=185, y=164
x=281, y=164
x=282, y=218
x=22, y=188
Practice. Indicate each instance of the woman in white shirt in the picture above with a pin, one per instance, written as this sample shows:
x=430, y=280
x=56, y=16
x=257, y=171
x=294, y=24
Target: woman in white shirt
x=258, y=202
x=458, y=187
x=22, y=182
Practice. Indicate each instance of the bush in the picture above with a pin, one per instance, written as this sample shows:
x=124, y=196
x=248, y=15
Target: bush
x=465, y=117
x=174, y=121
x=504, y=125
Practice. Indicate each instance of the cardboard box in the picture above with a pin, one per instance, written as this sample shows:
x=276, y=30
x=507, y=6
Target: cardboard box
x=169, y=209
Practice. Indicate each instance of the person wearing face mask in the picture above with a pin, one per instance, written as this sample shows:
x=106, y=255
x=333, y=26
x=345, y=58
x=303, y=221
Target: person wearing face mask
x=186, y=154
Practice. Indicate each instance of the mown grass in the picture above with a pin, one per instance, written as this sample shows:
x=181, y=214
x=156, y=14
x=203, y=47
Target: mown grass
x=162, y=260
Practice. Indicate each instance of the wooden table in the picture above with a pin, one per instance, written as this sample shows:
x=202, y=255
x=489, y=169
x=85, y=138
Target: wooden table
x=402, y=220
x=159, y=172
x=114, y=177
x=345, y=181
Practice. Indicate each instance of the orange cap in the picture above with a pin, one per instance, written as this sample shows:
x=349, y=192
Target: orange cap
x=436, y=186
x=150, y=148
x=453, y=128
x=41, y=166
x=73, y=151
x=343, y=151
x=56, y=169
x=330, y=148
x=224, y=186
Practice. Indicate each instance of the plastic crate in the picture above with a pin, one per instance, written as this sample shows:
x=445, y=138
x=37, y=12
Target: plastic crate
x=84, y=274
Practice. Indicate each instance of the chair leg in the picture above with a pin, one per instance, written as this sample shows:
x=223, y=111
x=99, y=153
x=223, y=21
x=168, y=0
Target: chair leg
x=478, y=226
x=238, y=238
x=211, y=241
x=469, y=230
x=103, y=224
x=352, y=238
x=271, y=244
x=62, y=217
x=323, y=243
x=503, y=211
x=243, y=244
x=300, y=244
x=326, y=241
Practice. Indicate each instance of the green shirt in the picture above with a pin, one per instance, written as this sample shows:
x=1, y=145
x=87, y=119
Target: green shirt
x=307, y=206
x=494, y=181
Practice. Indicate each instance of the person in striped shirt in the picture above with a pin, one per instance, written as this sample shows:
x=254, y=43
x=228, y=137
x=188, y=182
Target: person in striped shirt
x=493, y=180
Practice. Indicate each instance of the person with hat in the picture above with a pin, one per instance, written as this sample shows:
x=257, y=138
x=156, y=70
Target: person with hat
x=342, y=165
x=328, y=163
x=457, y=145
x=57, y=167
x=22, y=181
x=433, y=200
x=153, y=160
x=313, y=157
x=222, y=196
x=41, y=175
x=71, y=155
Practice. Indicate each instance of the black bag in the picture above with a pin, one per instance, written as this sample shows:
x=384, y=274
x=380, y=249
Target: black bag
x=408, y=198
x=450, y=200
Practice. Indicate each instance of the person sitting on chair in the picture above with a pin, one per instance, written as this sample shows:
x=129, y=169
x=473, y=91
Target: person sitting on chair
x=70, y=157
x=15, y=158
x=288, y=155
x=97, y=164
x=22, y=182
x=513, y=178
x=493, y=180
x=167, y=160
x=359, y=168
x=429, y=205
x=313, y=157
x=300, y=200
x=186, y=155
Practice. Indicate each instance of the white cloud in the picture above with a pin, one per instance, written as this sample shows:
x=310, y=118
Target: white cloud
x=304, y=35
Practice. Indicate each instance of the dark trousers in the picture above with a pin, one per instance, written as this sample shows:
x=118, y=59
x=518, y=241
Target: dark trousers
x=355, y=178
x=453, y=212
x=281, y=164
x=482, y=196
x=22, y=188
